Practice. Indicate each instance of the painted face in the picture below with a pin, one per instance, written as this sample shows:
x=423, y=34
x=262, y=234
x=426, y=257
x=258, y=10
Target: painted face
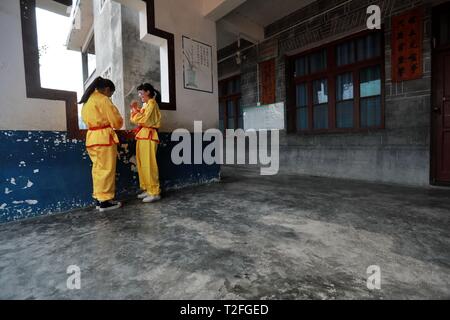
x=144, y=95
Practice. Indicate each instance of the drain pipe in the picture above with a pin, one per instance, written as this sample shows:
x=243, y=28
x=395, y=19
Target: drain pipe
x=258, y=102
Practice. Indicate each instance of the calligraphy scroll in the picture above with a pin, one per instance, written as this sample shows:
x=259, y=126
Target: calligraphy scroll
x=197, y=65
x=406, y=44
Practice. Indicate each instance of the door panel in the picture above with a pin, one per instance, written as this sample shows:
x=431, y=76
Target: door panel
x=441, y=115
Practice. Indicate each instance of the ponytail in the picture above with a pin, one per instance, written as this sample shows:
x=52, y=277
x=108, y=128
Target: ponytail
x=158, y=97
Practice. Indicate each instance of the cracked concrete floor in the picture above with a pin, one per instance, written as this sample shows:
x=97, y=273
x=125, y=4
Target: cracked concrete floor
x=247, y=237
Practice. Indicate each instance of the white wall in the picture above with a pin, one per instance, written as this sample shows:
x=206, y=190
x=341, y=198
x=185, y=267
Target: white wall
x=182, y=17
x=17, y=111
x=179, y=17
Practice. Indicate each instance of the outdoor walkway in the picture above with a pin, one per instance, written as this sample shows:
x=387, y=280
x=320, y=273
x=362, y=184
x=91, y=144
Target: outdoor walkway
x=250, y=237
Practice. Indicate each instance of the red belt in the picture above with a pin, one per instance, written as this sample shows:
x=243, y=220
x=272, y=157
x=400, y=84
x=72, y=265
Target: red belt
x=139, y=128
x=99, y=128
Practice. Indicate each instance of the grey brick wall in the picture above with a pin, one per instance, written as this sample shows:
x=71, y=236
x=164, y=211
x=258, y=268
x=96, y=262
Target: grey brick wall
x=400, y=153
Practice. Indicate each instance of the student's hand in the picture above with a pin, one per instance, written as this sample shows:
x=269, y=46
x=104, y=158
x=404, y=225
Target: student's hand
x=134, y=107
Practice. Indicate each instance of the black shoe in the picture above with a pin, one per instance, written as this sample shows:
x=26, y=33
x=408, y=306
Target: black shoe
x=97, y=204
x=109, y=205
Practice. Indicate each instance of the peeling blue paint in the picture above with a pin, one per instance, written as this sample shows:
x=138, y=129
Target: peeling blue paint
x=43, y=172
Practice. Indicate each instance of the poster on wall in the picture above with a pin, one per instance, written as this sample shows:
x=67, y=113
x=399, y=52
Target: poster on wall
x=271, y=117
x=197, y=65
x=406, y=42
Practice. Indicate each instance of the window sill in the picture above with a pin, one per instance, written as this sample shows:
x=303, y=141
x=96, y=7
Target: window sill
x=337, y=131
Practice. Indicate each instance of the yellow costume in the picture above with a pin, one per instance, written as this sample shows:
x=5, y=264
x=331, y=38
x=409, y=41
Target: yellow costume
x=102, y=117
x=148, y=120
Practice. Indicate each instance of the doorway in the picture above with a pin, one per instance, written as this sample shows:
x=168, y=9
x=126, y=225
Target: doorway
x=440, y=149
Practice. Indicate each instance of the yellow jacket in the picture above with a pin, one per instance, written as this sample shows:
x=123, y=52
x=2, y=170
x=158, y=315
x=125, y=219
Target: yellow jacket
x=101, y=117
x=148, y=118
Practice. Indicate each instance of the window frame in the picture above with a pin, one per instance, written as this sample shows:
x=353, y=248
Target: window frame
x=87, y=77
x=331, y=73
x=235, y=97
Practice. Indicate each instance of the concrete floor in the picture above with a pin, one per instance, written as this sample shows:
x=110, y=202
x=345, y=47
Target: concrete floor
x=248, y=237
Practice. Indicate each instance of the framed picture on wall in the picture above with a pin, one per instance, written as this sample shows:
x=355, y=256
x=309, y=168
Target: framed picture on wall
x=197, y=65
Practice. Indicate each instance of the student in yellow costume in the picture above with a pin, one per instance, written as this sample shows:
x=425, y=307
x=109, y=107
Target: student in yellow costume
x=102, y=117
x=148, y=119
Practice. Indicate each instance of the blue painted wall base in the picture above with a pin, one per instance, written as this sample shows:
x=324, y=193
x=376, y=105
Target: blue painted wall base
x=43, y=172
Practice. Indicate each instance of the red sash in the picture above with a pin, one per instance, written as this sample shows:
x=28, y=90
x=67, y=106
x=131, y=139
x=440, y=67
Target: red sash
x=100, y=128
x=150, y=136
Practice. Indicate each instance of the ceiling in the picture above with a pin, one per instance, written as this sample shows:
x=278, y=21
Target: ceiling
x=258, y=12
x=265, y=12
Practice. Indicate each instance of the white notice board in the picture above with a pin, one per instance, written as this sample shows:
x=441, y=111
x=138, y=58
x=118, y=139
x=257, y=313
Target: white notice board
x=268, y=117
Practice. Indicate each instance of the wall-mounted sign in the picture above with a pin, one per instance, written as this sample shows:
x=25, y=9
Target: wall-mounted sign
x=197, y=65
x=406, y=43
x=267, y=81
x=266, y=117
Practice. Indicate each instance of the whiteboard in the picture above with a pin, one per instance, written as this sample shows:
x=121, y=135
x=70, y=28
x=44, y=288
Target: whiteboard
x=269, y=117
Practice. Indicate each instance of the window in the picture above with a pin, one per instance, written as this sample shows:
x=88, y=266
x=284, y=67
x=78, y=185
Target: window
x=370, y=91
x=320, y=107
x=302, y=106
x=344, y=100
x=339, y=87
x=230, y=110
x=89, y=60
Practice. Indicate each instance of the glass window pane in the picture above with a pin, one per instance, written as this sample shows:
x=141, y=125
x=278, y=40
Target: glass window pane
x=321, y=116
x=223, y=89
x=230, y=123
x=370, y=81
x=345, y=53
x=230, y=108
x=301, y=67
x=221, y=110
x=92, y=64
x=344, y=87
x=240, y=108
x=302, y=95
x=230, y=87
x=318, y=61
x=237, y=85
x=302, y=118
x=320, y=91
x=241, y=115
x=369, y=46
x=371, y=112
x=231, y=115
x=344, y=114
x=91, y=58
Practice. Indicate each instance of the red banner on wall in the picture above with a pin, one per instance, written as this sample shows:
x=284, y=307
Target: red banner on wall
x=406, y=44
x=267, y=74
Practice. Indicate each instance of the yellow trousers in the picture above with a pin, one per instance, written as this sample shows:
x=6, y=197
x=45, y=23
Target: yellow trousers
x=104, y=160
x=147, y=166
